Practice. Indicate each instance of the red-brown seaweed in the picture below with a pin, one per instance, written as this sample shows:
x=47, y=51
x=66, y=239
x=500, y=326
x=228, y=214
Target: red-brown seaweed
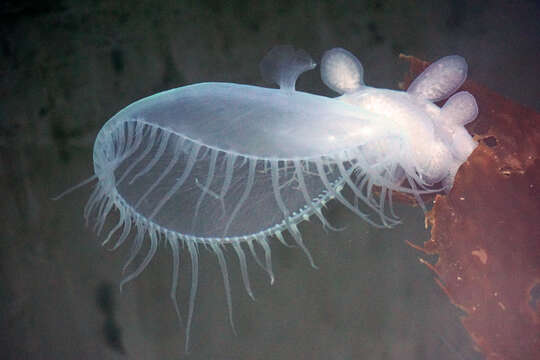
x=486, y=231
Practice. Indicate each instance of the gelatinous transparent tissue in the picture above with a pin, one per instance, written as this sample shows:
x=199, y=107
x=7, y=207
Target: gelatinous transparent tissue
x=224, y=164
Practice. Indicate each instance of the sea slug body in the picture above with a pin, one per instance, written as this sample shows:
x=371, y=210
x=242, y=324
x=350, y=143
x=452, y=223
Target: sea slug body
x=221, y=164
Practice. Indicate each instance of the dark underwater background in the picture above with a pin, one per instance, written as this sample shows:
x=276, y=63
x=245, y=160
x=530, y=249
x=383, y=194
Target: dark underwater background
x=68, y=66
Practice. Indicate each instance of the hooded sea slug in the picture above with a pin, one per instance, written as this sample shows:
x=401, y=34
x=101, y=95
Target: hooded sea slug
x=229, y=165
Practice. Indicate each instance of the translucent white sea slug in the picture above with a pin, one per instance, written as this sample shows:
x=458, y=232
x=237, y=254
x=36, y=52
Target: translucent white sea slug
x=221, y=164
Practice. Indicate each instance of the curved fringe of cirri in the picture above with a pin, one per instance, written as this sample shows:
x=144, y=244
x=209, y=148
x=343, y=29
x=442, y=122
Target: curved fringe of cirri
x=131, y=149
